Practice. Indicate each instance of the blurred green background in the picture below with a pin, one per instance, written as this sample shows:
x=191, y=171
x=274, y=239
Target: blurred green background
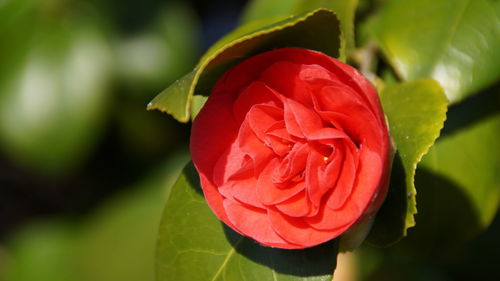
x=85, y=169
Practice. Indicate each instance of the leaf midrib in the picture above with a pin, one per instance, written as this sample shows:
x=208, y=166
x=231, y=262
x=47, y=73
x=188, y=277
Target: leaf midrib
x=226, y=260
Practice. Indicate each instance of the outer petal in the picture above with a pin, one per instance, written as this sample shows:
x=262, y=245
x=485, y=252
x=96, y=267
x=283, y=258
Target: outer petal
x=257, y=93
x=209, y=140
x=297, y=231
x=241, y=187
x=289, y=78
x=255, y=223
x=297, y=206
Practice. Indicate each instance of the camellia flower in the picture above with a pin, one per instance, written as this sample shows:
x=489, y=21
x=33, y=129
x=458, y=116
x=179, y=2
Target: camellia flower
x=292, y=148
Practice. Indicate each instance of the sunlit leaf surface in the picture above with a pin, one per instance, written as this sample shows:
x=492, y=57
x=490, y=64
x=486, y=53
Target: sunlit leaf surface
x=416, y=112
x=453, y=42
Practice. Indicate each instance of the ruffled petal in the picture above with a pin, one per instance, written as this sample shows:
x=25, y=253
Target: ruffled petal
x=283, y=76
x=252, y=222
x=297, y=231
x=344, y=186
x=328, y=219
x=322, y=174
x=262, y=118
x=257, y=93
x=241, y=186
x=252, y=146
x=269, y=193
x=300, y=121
x=291, y=167
x=297, y=206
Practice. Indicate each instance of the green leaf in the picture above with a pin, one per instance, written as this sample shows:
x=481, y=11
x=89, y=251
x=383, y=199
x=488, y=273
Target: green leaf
x=260, y=9
x=496, y=5
x=416, y=112
x=194, y=245
x=459, y=179
x=470, y=158
x=317, y=30
x=454, y=42
x=345, y=11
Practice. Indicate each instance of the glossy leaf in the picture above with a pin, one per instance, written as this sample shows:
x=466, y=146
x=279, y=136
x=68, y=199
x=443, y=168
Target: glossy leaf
x=459, y=179
x=194, y=245
x=471, y=159
x=259, y=9
x=306, y=31
x=416, y=112
x=344, y=9
x=454, y=42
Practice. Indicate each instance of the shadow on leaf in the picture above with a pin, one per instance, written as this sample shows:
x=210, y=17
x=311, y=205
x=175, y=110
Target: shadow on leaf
x=472, y=110
x=446, y=218
x=389, y=224
x=316, y=261
x=193, y=178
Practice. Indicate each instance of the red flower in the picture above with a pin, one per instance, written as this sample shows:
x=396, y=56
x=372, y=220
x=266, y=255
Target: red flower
x=292, y=148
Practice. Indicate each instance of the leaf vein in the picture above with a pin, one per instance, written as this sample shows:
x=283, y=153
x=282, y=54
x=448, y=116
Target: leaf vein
x=226, y=260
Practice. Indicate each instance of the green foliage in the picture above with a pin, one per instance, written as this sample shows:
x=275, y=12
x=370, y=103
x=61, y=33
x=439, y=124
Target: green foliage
x=453, y=42
x=261, y=9
x=460, y=178
x=416, y=112
x=195, y=245
x=250, y=39
x=344, y=9
x=475, y=168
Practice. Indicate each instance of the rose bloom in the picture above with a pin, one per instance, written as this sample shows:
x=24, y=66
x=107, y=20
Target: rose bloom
x=292, y=148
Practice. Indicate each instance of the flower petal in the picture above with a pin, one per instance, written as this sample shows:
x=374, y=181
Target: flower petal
x=262, y=118
x=253, y=222
x=209, y=140
x=241, y=187
x=300, y=121
x=297, y=231
x=296, y=206
x=254, y=94
x=344, y=186
x=269, y=193
x=322, y=175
